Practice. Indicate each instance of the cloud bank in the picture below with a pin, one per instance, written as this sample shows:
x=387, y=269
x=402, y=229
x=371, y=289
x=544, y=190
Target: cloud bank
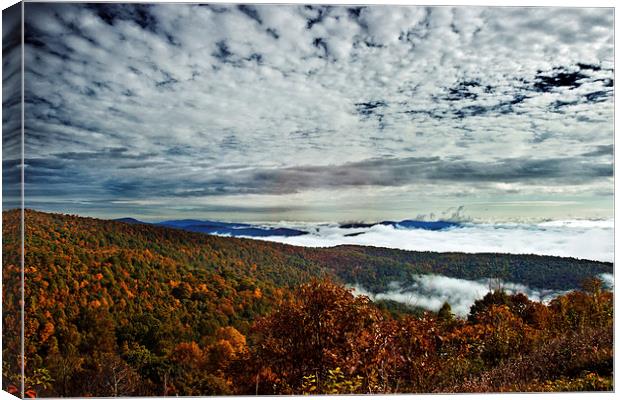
x=432, y=291
x=592, y=240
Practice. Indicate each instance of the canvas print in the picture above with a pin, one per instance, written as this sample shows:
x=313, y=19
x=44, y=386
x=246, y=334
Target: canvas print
x=245, y=199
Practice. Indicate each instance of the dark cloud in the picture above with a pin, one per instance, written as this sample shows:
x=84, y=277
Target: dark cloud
x=398, y=172
x=321, y=44
x=598, y=96
x=370, y=108
x=109, y=154
x=373, y=109
x=251, y=12
x=11, y=106
x=137, y=13
x=604, y=150
x=317, y=14
x=558, y=78
x=464, y=91
x=372, y=172
x=460, y=111
x=590, y=67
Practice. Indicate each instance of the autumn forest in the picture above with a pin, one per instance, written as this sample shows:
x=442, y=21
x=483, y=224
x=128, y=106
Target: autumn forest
x=120, y=309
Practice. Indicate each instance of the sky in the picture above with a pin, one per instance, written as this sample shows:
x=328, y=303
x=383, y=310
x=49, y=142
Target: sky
x=299, y=113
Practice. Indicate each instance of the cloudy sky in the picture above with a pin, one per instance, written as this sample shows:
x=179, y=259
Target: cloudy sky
x=262, y=113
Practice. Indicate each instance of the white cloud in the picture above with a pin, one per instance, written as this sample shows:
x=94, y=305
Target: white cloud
x=194, y=90
x=608, y=280
x=591, y=240
x=432, y=291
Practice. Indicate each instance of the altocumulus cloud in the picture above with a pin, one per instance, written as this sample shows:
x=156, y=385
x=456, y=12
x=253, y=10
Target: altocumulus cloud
x=177, y=106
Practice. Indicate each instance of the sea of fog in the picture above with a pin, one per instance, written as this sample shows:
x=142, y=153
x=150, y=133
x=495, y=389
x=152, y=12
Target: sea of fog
x=585, y=239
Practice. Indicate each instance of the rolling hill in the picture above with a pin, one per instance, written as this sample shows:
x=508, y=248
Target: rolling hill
x=105, y=296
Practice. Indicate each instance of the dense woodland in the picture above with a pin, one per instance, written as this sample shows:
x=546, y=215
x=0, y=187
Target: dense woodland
x=117, y=309
x=375, y=268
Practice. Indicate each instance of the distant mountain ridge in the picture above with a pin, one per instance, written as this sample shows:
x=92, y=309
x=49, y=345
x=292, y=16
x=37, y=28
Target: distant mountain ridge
x=229, y=228
x=130, y=220
x=239, y=229
x=220, y=228
x=408, y=224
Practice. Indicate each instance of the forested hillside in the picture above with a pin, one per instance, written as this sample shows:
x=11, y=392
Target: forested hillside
x=375, y=267
x=126, y=309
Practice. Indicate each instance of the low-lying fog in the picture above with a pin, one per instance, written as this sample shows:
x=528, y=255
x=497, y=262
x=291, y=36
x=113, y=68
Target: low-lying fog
x=431, y=291
x=586, y=239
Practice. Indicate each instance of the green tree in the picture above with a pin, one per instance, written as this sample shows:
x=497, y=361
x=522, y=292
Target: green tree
x=445, y=313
